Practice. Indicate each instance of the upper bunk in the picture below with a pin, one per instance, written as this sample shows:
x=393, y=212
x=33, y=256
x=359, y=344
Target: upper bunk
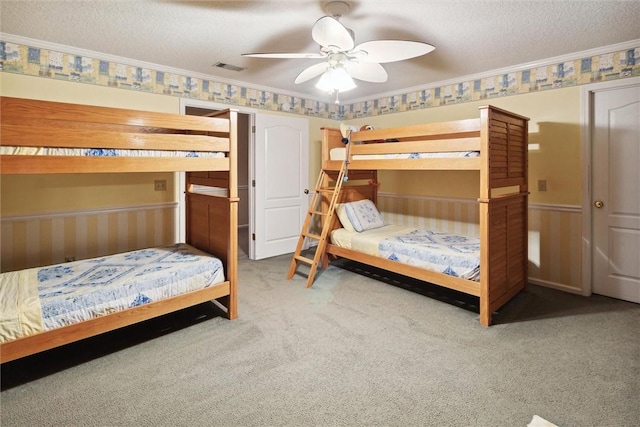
x=495, y=144
x=42, y=137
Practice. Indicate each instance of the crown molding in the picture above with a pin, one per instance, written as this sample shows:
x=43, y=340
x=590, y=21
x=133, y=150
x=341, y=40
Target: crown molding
x=511, y=69
x=11, y=38
x=346, y=102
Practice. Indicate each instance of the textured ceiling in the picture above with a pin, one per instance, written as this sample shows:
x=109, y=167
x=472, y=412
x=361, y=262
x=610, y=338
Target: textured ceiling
x=471, y=37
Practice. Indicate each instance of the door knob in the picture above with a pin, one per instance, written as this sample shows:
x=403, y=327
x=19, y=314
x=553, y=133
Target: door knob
x=598, y=204
x=306, y=191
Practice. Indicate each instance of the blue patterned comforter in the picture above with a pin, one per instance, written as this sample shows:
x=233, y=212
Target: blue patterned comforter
x=446, y=253
x=45, y=298
x=104, y=152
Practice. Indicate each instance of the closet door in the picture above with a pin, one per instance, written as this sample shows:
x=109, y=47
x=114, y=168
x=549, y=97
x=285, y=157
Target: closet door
x=615, y=196
x=281, y=176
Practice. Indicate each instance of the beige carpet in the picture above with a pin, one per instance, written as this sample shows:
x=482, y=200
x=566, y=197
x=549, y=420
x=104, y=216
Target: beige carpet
x=350, y=351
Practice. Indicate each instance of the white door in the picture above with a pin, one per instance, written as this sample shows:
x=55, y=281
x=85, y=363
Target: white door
x=615, y=201
x=281, y=157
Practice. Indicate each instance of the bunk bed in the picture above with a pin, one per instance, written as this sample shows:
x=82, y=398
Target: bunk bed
x=41, y=137
x=493, y=144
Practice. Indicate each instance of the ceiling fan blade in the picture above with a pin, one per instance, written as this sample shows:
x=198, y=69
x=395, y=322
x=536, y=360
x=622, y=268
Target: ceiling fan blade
x=367, y=71
x=328, y=31
x=285, y=55
x=382, y=51
x=311, y=72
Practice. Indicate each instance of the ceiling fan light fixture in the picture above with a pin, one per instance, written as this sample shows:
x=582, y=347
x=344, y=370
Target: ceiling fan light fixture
x=336, y=79
x=345, y=61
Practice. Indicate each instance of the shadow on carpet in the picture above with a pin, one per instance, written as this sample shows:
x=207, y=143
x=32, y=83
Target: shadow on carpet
x=534, y=303
x=57, y=359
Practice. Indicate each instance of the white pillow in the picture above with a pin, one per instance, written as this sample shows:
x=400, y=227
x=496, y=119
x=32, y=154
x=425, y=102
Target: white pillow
x=344, y=219
x=363, y=215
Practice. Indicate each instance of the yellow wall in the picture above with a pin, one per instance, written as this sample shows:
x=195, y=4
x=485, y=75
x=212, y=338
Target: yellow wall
x=554, y=140
x=30, y=194
x=18, y=85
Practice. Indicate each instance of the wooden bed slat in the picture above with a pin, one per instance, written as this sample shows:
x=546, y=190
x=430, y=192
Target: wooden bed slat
x=455, y=283
x=453, y=129
x=27, y=108
x=459, y=163
x=68, y=164
x=30, y=136
x=430, y=146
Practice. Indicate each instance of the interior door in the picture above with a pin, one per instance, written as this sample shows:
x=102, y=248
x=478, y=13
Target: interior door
x=281, y=164
x=615, y=194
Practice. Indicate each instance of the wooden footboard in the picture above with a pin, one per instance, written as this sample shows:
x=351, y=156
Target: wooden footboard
x=212, y=226
x=504, y=252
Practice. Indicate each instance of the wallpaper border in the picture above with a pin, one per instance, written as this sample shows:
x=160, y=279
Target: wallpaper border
x=69, y=64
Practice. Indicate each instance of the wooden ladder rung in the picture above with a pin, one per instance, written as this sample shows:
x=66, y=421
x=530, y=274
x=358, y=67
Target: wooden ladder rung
x=312, y=236
x=303, y=259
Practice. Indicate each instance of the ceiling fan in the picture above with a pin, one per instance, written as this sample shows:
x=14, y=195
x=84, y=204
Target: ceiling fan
x=343, y=59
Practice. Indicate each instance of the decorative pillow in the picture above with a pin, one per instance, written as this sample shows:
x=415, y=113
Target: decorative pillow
x=363, y=215
x=344, y=219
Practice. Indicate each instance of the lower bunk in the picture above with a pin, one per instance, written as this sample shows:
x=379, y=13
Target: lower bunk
x=46, y=307
x=491, y=267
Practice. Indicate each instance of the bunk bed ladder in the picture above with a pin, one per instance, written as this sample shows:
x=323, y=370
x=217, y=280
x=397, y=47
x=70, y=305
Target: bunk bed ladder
x=324, y=192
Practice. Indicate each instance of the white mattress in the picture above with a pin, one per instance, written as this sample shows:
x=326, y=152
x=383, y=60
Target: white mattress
x=45, y=298
x=103, y=152
x=340, y=153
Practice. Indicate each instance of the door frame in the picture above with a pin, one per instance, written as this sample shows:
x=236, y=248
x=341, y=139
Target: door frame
x=251, y=112
x=587, y=178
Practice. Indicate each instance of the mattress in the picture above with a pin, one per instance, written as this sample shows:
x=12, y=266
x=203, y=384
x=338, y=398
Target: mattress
x=104, y=152
x=446, y=253
x=44, y=298
x=340, y=153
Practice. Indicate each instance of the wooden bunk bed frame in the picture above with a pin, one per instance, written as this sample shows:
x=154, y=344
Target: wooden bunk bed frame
x=211, y=221
x=501, y=138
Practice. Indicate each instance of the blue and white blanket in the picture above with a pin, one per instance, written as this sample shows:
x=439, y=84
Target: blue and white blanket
x=44, y=298
x=446, y=253
x=104, y=152
x=340, y=153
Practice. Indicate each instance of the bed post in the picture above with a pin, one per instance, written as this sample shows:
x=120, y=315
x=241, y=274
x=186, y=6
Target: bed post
x=232, y=192
x=212, y=220
x=483, y=205
x=503, y=217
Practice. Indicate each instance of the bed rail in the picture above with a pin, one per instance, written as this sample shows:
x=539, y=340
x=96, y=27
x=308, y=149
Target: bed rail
x=39, y=124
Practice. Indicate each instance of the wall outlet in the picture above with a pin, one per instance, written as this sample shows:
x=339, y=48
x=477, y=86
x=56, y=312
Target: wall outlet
x=160, y=185
x=542, y=185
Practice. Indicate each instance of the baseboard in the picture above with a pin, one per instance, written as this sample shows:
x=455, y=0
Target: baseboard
x=554, y=285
